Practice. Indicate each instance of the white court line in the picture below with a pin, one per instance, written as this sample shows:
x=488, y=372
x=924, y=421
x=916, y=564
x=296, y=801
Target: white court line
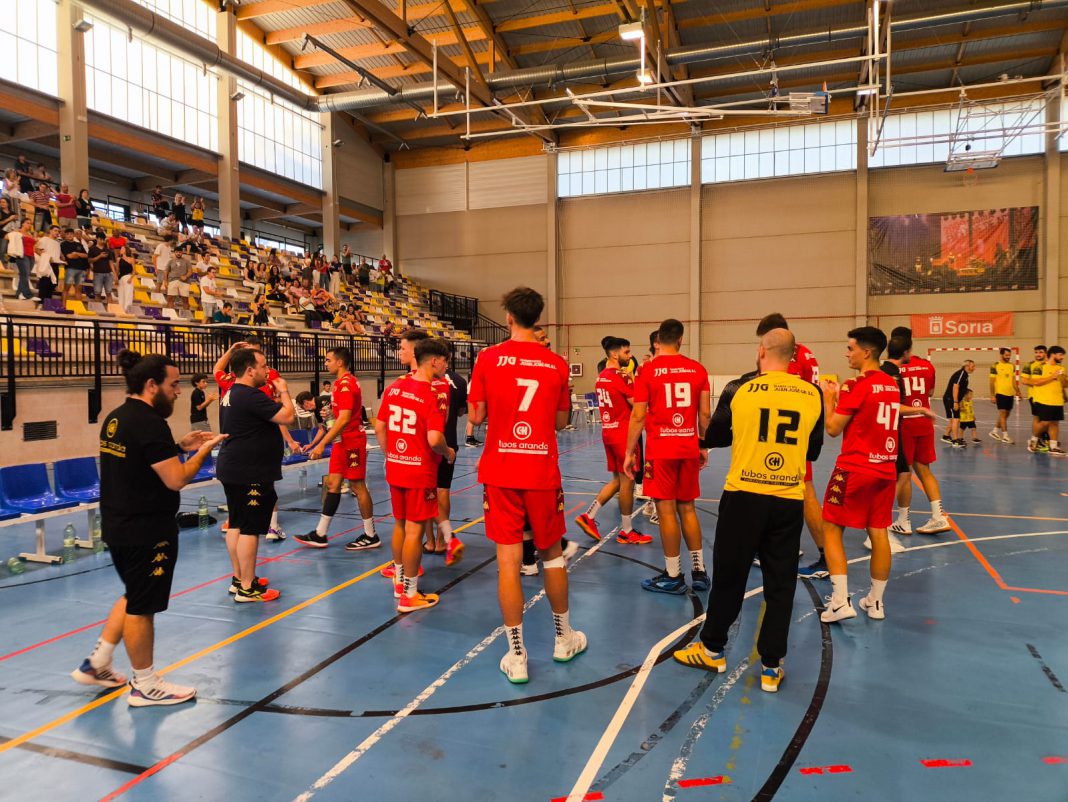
x=342, y=765
x=600, y=752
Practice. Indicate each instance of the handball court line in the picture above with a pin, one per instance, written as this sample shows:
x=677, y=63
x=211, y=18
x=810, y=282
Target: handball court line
x=611, y=732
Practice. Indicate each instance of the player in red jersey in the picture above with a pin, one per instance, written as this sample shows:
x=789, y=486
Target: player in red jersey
x=672, y=404
x=917, y=436
x=348, y=456
x=615, y=397
x=805, y=367
x=410, y=427
x=521, y=388
x=861, y=491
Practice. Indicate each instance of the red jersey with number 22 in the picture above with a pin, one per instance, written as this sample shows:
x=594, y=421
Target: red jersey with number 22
x=347, y=394
x=523, y=385
x=671, y=385
x=411, y=409
x=918, y=382
x=614, y=389
x=869, y=444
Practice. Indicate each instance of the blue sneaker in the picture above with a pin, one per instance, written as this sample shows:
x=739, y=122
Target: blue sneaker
x=662, y=583
x=770, y=679
x=700, y=582
x=816, y=570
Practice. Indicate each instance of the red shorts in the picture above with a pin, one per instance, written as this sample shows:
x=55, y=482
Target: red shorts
x=859, y=500
x=918, y=446
x=672, y=479
x=808, y=471
x=349, y=459
x=414, y=503
x=510, y=512
x=617, y=455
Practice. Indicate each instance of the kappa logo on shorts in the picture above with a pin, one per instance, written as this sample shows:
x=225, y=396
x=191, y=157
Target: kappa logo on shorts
x=837, y=489
x=648, y=469
x=162, y=544
x=430, y=494
x=253, y=492
x=156, y=572
x=354, y=459
x=253, y=503
x=160, y=558
x=485, y=500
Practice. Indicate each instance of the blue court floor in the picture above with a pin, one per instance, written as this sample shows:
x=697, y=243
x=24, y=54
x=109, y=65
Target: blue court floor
x=329, y=694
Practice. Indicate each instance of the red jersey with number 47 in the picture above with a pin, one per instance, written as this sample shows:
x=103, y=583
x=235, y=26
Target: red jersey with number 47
x=804, y=365
x=411, y=409
x=347, y=394
x=523, y=385
x=614, y=390
x=918, y=382
x=869, y=444
x=671, y=385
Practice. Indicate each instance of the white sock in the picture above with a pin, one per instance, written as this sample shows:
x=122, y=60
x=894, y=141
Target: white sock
x=274, y=519
x=369, y=527
x=936, y=509
x=562, y=621
x=698, y=559
x=673, y=565
x=903, y=516
x=625, y=523
x=593, y=509
x=411, y=586
x=101, y=655
x=515, y=639
x=878, y=587
x=398, y=573
x=144, y=676
x=1054, y=443
x=445, y=527
x=840, y=588
x=324, y=525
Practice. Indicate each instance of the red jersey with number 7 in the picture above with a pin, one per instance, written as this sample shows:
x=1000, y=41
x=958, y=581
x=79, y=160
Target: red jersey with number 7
x=671, y=385
x=614, y=390
x=870, y=442
x=523, y=385
x=411, y=409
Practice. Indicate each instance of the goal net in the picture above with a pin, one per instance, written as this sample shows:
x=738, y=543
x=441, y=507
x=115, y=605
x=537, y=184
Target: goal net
x=948, y=360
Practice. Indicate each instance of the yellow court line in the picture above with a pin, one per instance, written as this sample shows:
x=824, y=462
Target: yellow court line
x=103, y=700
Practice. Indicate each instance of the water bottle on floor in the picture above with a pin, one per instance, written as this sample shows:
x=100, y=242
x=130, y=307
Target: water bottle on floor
x=68, y=543
x=16, y=566
x=202, y=514
x=98, y=534
x=303, y=480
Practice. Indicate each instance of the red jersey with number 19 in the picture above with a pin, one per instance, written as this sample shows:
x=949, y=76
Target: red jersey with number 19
x=411, y=409
x=671, y=385
x=614, y=391
x=346, y=394
x=918, y=382
x=523, y=385
x=870, y=442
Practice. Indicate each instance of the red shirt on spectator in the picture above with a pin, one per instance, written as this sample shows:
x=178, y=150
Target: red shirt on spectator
x=385, y=266
x=65, y=206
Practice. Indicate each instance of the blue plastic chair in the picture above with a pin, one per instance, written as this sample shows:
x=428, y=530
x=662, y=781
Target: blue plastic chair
x=25, y=488
x=305, y=436
x=8, y=515
x=207, y=469
x=77, y=479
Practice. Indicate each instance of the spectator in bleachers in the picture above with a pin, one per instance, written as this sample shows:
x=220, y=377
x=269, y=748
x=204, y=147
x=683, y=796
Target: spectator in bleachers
x=363, y=273
x=199, y=402
x=254, y=277
x=334, y=284
x=161, y=260
x=10, y=190
x=20, y=251
x=116, y=242
x=9, y=221
x=210, y=293
x=102, y=266
x=348, y=322
x=178, y=210
x=24, y=171
x=124, y=267
x=375, y=276
x=200, y=267
x=225, y=315
x=160, y=207
x=83, y=206
x=49, y=259
x=77, y=265
x=385, y=266
x=66, y=214
x=257, y=309
x=197, y=212
x=42, y=214
x=347, y=268
x=324, y=404
x=182, y=275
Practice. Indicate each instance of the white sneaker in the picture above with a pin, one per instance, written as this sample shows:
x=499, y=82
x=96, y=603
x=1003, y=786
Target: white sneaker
x=514, y=667
x=159, y=692
x=934, y=526
x=570, y=550
x=996, y=435
x=898, y=528
x=896, y=546
x=276, y=533
x=1006, y=439
x=649, y=510
x=839, y=613
x=867, y=543
x=874, y=608
x=569, y=646
x=528, y=570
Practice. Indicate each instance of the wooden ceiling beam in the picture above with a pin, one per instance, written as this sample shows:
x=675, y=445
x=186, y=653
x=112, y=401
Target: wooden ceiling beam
x=760, y=12
x=396, y=45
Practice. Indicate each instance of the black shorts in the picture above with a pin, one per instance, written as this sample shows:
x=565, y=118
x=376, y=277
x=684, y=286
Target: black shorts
x=902, y=462
x=146, y=571
x=251, y=507
x=1048, y=412
x=1031, y=403
x=1005, y=402
x=445, y=472
x=950, y=412
x=967, y=424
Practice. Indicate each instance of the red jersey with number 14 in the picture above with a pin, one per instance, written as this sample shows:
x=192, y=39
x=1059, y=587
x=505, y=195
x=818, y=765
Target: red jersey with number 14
x=614, y=390
x=804, y=365
x=347, y=394
x=918, y=382
x=869, y=444
x=671, y=385
x=411, y=409
x=523, y=385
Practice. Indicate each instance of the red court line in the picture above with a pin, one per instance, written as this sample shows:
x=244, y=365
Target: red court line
x=697, y=782
x=157, y=768
x=826, y=770
x=1055, y=760
x=946, y=764
x=596, y=796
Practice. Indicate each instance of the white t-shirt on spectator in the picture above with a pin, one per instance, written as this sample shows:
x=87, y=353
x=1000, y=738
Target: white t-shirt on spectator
x=163, y=256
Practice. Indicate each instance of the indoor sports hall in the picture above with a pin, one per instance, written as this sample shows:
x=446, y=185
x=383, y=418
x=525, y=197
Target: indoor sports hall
x=322, y=178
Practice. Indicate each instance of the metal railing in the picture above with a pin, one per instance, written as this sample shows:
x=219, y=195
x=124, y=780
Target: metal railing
x=460, y=310
x=83, y=352
x=488, y=331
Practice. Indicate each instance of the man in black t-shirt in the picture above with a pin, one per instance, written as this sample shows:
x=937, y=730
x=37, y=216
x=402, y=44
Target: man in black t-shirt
x=199, y=403
x=954, y=394
x=74, y=254
x=250, y=462
x=445, y=542
x=140, y=479
x=102, y=268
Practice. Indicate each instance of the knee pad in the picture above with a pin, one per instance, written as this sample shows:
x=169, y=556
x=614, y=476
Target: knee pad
x=556, y=562
x=330, y=504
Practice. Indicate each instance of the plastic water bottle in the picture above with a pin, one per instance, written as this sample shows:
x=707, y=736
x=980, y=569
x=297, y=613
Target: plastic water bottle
x=98, y=534
x=286, y=453
x=16, y=566
x=202, y=514
x=303, y=480
x=68, y=543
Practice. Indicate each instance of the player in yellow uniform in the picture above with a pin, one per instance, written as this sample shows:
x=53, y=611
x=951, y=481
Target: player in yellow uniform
x=1003, y=391
x=1034, y=368
x=1048, y=396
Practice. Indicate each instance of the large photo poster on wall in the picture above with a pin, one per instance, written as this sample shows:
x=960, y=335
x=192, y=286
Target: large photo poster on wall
x=986, y=250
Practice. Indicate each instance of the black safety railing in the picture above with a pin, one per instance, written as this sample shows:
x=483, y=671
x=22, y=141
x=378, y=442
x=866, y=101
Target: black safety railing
x=41, y=350
x=460, y=310
x=488, y=331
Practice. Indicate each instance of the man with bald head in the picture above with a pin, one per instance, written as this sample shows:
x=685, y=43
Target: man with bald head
x=773, y=422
